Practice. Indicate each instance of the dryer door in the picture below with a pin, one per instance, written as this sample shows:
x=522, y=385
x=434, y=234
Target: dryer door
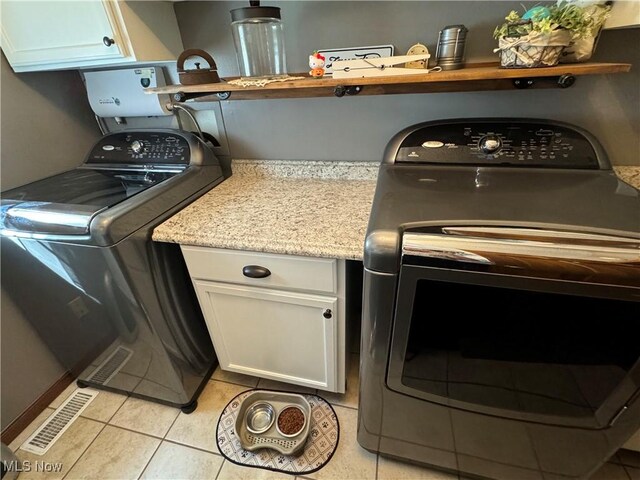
x=480, y=333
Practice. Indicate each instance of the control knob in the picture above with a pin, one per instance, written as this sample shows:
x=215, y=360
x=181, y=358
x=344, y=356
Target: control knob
x=490, y=144
x=137, y=146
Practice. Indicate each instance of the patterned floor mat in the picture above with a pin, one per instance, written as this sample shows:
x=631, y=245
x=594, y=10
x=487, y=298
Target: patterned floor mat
x=324, y=434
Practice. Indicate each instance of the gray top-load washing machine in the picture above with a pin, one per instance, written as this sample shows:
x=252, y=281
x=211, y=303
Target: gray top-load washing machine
x=115, y=308
x=501, y=310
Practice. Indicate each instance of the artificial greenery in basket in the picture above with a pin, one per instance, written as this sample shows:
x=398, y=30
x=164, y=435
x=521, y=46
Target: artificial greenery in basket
x=538, y=37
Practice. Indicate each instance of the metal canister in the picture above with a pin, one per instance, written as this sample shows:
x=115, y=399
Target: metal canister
x=450, y=50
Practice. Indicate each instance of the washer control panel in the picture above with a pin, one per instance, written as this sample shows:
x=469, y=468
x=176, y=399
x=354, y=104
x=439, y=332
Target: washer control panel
x=498, y=144
x=148, y=148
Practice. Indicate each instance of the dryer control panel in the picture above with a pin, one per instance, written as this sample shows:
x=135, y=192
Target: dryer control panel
x=499, y=143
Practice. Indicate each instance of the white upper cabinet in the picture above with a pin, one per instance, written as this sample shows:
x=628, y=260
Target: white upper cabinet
x=55, y=35
x=624, y=13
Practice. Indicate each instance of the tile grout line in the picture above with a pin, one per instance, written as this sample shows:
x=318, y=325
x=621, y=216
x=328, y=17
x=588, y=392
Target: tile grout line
x=220, y=469
x=116, y=412
x=159, y=443
x=104, y=425
x=49, y=407
x=316, y=391
x=162, y=439
x=158, y=447
x=124, y=428
x=377, y=461
x=149, y=461
x=175, y=442
x=171, y=426
x=232, y=383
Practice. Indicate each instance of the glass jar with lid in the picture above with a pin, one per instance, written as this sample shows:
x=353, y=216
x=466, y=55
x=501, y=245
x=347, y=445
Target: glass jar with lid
x=259, y=42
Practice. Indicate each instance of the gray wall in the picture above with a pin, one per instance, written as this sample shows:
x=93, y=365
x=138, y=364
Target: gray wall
x=28, y=367
x=46, y=127
x=46, y=124
x=358, y=128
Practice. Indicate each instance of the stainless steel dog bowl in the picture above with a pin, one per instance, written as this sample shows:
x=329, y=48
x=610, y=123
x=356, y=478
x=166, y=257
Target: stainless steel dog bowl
x=260, y=417
x=271, y=438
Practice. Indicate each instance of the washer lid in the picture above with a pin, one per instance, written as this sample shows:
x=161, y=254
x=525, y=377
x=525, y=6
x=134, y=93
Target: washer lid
x=46, y=218
x=66, y=203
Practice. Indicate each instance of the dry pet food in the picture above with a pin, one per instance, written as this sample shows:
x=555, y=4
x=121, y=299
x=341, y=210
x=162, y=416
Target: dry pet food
x=291, y=420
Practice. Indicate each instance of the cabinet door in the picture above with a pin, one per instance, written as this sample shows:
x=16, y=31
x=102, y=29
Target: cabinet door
x=624, y=14
x=54, y=32
x=273, y=334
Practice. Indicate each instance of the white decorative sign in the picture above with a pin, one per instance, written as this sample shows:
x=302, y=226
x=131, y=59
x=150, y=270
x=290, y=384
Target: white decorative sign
x=354, y=53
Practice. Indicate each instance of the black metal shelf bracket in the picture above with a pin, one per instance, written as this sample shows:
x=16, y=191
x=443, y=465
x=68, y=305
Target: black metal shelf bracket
x=567, y=80
x=563, y=81
x=522, y=83
x=341, y=90
x=181, y=97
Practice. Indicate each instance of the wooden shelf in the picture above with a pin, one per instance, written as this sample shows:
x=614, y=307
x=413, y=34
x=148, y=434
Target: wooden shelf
x=475, y=77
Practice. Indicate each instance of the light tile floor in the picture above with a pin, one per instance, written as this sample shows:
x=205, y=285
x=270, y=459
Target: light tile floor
x=125, y=438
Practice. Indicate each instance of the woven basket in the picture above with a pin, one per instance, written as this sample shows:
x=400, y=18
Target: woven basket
x=532, y=50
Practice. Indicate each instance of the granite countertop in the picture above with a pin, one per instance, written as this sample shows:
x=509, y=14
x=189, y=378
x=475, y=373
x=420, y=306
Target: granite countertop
x=315, y=209
x=630, y=174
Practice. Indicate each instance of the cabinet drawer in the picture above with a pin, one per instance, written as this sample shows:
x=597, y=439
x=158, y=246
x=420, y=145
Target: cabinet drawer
x=284, y=271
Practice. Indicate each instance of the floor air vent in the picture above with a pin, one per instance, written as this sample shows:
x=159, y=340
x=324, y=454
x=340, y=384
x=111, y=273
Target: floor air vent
x=111, y=366
x=53, y=428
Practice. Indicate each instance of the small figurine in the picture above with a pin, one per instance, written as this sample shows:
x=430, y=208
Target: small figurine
x=316, y=62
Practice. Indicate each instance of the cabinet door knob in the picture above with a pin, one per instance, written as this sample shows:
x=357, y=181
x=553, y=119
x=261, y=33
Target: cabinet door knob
x=108, y=41
x=255, y=271
x=327, y=313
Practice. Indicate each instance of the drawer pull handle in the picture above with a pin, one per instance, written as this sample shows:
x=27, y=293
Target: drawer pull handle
x=108, y=41
x=327, y=313
x=255, y=271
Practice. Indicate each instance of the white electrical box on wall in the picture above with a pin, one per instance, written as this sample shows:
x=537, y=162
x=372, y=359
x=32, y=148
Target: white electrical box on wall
x=120, y=93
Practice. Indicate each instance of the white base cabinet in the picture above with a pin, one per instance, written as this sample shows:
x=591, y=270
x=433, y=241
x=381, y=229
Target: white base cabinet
x=288, y=325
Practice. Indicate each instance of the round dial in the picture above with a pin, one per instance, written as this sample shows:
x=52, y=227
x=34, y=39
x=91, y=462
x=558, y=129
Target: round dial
x=137, y=146
x=490, y=144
